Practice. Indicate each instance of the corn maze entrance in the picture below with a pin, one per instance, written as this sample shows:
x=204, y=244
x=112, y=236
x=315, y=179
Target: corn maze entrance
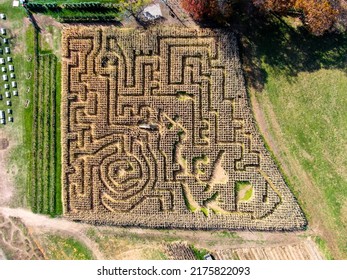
x=157, y=132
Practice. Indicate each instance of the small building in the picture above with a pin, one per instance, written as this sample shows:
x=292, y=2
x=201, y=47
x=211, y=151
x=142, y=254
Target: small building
x=208, y=257
x=3, y=69
x=0, y=96
x=7, y=94
x=2, y=60
x=7, y=50
x=8, y=103
x=4, y=77
x=1, y=51
x=9, y=59
x=3, y=31
x=5, y=41
x=9, y=111
x=2, y=121
x=15, y=93
x=152, y=12
x=12, y=75
x=2, y=16
x=14, y=84
x=2, y=114
x=6, y=86
x=10, y=119
x=10, y=67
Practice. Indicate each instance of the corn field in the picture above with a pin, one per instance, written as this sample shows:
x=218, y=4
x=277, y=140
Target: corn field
x=157, y=132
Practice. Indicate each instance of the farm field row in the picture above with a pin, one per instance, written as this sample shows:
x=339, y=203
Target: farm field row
x=70, y=11
x=44, y=191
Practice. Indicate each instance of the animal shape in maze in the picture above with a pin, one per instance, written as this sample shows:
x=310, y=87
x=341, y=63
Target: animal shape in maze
x=157, y=132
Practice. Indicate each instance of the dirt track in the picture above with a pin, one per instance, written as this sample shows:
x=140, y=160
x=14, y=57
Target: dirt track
x=41, y=224
x=259, y=245
x=2, y=255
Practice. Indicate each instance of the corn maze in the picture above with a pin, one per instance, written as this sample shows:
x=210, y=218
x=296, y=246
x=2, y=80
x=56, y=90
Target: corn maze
x=157, y=132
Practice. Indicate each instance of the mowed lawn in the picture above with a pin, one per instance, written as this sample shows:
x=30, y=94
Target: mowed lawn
x=301, y=109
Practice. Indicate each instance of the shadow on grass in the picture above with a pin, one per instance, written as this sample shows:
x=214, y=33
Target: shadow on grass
x=269, y=39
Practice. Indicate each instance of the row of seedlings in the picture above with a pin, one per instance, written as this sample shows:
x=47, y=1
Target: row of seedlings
x=7, y=74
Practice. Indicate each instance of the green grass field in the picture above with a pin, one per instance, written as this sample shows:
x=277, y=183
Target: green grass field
x=19, y=131
x=311, y=115
x=299, y=83
x=36, y=155
x=57, y=247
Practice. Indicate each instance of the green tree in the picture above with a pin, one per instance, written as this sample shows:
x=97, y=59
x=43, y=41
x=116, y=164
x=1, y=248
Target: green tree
x=133, y=7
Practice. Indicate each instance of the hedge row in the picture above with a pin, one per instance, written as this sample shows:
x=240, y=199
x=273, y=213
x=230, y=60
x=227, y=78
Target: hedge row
x=95, y=11
x=43, y=187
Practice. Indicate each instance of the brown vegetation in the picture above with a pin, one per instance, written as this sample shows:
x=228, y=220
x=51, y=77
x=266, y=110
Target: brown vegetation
x=318, y=15
x=188, y=85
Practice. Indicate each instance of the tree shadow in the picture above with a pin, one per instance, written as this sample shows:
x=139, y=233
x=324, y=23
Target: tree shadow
x=289, y=50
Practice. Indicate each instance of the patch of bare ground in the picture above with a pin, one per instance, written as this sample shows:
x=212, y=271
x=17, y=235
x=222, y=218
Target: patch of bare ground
x=16, y=241
x=43, y=21
x=50, y=30
x=39, y=224
x=3, y=143
x=6, y=180
x=319, y=223
x=177, y=14
x=2, y=255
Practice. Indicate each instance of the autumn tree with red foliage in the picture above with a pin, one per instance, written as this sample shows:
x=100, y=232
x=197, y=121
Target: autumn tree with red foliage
x=318, y=15
x=279, y=6
x=200, y=9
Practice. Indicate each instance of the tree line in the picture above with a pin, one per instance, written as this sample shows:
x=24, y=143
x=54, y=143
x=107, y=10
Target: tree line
x=318, y=16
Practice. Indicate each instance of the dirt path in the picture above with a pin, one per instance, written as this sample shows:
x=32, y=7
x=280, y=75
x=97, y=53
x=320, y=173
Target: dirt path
x=2, y=255
x=177, y=12
x=40, y=224
x=6, y=182
x=213, y=240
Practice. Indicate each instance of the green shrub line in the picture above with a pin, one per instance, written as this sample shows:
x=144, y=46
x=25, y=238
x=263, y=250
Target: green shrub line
x=67, y=11
x=33, y=178
x=57, y=158
x=44, y=178
x=40, y=139
x=47, y=140
x=52, y=178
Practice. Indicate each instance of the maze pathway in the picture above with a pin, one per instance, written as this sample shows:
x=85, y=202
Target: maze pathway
x=157, y=132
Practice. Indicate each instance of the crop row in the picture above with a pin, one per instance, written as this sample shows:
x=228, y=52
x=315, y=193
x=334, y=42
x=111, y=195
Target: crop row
x=43, y=188
x=94, y=11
